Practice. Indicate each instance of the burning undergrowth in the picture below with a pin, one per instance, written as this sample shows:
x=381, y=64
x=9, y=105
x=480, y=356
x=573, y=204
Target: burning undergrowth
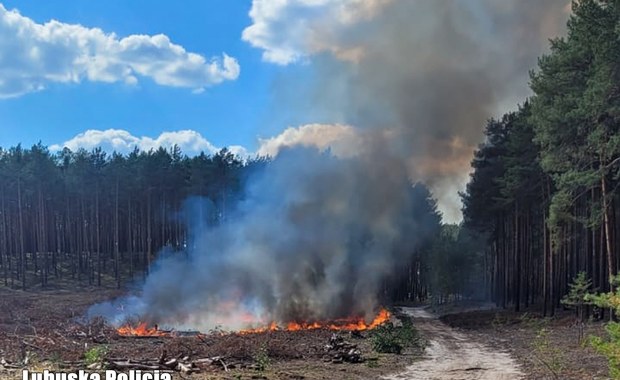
x=345, y=324
x=44, y=330
x=311, y=243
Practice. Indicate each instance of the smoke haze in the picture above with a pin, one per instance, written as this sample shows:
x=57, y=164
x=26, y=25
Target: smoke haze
x=318, y=232
x=430, y=71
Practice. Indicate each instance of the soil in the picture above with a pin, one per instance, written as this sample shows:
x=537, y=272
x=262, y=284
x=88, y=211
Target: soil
x=455, y=355
x=45, y=330
x=544, y=348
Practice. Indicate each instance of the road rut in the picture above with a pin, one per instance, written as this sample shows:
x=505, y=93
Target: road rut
x=453, y=355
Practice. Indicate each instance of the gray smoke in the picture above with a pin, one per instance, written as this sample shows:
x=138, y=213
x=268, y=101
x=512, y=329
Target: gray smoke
x=316, y=234
x=312, y=240
x=432, y=72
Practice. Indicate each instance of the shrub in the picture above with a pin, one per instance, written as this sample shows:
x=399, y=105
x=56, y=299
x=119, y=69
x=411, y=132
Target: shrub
x=388, y=338
x=95, y=355
x=609, y=347
x=262, y=358
x=549, y=355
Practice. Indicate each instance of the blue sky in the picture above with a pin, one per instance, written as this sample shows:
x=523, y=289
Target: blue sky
x=259, y=75
x=234, y=112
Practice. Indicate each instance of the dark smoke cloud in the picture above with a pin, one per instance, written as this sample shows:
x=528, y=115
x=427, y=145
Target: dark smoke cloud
x=431, y=71
x=316, y=235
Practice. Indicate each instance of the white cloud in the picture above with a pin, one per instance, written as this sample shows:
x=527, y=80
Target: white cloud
x=343, y=140
x=240, y=151
x=190, y=142
x=34, y=55
x=289, y=30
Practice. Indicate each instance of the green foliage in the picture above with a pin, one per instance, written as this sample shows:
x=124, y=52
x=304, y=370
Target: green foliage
x=95, y=354
x=410, y=279
x=388, y=338
x=455, y=260
x=478, y=206
x=576, y=107
x=548, y=354
x=39, y=186
x=546, y=177
x=577, y=296
x=610, y=346
x=533, y=322
x=261, y=358
x=579, y=289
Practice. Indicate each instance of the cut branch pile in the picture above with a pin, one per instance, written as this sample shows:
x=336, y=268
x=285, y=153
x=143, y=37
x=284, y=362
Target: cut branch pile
x=340, y=351
x=179, y=364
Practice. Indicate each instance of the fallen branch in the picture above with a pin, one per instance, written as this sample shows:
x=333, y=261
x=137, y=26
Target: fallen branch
x=129, y=365
x=32, y=345
x=224, y=365
x=555, y=375
x=180, y=364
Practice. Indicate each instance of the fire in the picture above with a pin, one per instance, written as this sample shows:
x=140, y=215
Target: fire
x=141, y=330
x=347, y=324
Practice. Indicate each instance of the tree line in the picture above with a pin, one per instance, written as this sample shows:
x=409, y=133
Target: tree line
x=93, y=218
x=85, y=215
x=544, y=188
x=443, y=264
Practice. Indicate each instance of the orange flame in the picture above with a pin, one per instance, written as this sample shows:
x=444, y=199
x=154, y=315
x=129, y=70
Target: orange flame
x=348, y=324
x=141, y=330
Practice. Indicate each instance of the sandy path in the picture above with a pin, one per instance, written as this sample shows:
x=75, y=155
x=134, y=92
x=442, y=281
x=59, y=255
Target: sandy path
x=453, y=355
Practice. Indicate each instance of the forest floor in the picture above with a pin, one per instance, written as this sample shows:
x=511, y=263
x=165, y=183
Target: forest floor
x=455, y=355
x=44, y=330
x=544, y=348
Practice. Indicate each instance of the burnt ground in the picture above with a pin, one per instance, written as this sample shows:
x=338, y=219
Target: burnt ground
x=44, y=330
x=545, y=348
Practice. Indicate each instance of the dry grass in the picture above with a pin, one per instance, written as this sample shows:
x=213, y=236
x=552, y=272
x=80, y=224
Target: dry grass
x=45, y=329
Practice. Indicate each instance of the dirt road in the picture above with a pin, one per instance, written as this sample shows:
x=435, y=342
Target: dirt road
x=453, y=355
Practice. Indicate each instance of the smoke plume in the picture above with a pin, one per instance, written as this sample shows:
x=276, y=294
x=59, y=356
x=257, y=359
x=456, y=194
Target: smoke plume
x=317, y=233
x=429, y=71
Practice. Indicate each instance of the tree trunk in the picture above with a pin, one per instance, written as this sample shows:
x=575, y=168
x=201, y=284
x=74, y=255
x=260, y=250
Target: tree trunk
x=22, y=251
x=116, y=238
x=608, y=242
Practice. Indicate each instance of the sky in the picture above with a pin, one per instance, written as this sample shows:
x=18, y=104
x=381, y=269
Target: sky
x=233, y=112
x=415, y=80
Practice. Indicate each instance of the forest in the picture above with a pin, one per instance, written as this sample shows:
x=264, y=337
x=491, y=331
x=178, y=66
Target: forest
x=98, y=249
x=87, y=215
x=541, y=206
x=96, y=219
x=544, y=188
